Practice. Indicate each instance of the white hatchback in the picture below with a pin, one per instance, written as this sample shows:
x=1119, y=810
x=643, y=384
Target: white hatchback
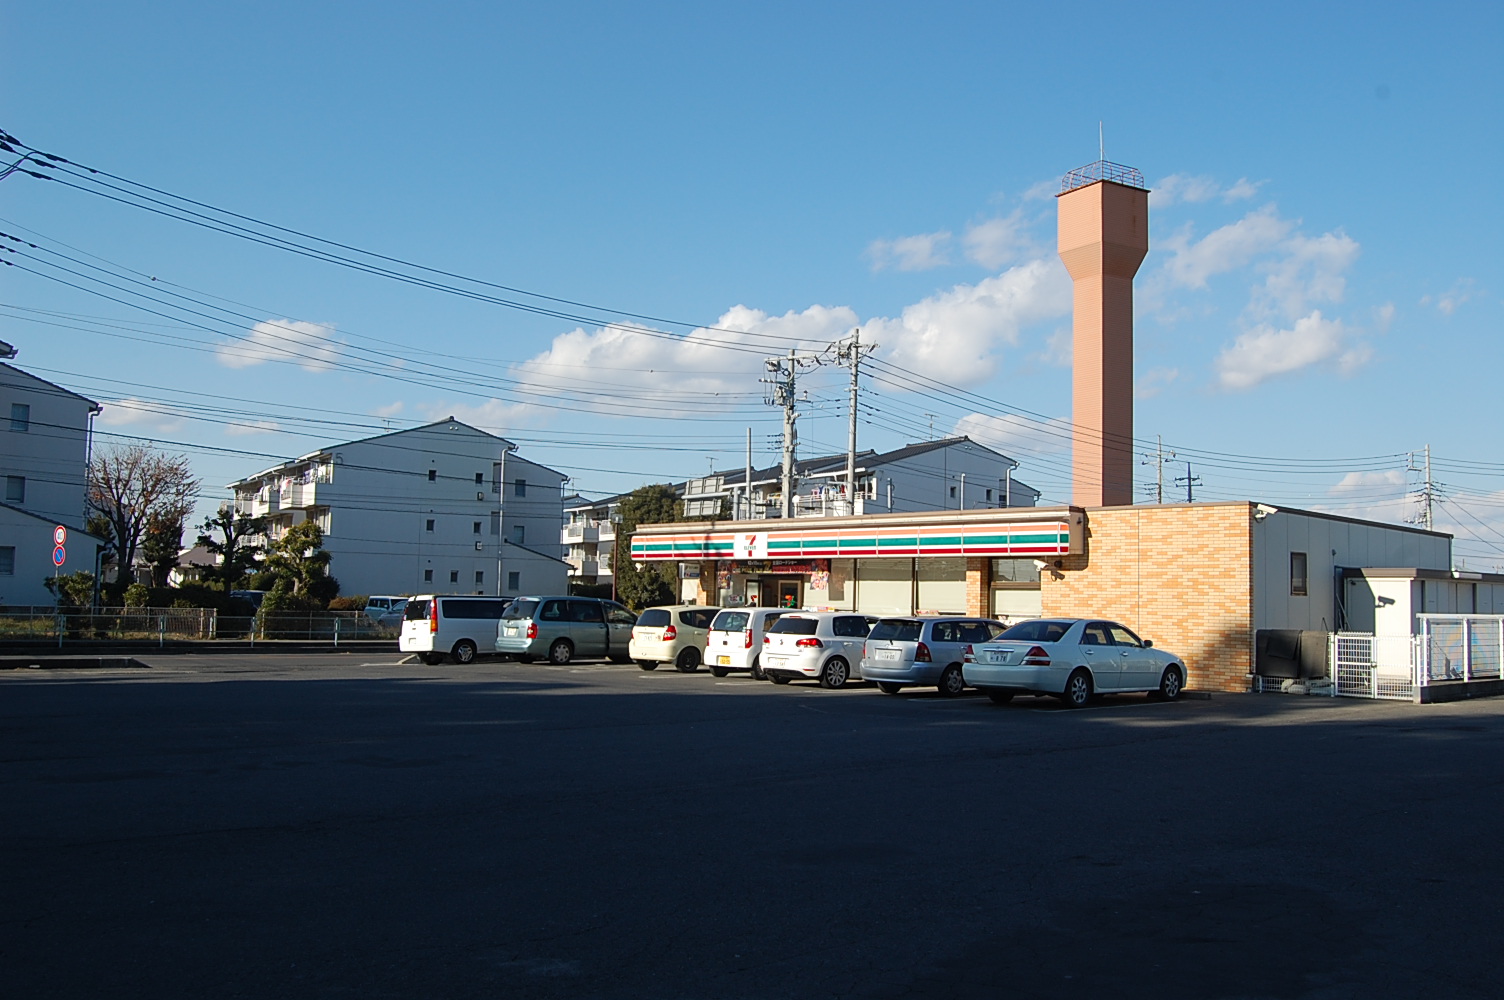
x=815, y=644
x=734, y=641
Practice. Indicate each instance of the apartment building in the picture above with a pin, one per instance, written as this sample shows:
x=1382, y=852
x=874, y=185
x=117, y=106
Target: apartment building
x=45, y=433
x=443, y=508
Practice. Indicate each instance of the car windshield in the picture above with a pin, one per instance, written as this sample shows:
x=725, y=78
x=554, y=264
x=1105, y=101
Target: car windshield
x=730, y=621
x=1040, y=630
x=416, y=611
x=789, y=625
x=897, y=629
x=654, y=618
x=520, y=609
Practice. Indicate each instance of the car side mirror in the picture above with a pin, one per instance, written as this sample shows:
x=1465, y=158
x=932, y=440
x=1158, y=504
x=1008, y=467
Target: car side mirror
x=1148, y=643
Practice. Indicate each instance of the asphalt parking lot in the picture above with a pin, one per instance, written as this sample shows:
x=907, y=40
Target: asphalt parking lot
x=347, y=826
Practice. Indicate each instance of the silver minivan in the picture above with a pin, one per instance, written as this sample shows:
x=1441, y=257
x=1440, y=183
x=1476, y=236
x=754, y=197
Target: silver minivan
x=433, y=625
x=562, y=628
x=901, y=652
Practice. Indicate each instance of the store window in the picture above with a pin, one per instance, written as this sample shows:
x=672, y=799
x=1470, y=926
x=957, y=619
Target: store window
x=1297, y=574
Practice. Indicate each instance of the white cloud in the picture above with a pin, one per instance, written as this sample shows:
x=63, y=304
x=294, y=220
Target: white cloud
x=1308, y=270
x=1228, y=248
x=911, y=253
x=955, y=335
x=1383, y=316
x=1009, y=434
x=1448, y=301
x=1153, y=382
x=494, y=415
x=142, y=415
x=1264, y=351
x=664, y=373
x=999, y=242
x=389, y=410
x=1178, y=188
x=311, y=345
x=1040, y=190
x=1368, y=482
x=1059, y=348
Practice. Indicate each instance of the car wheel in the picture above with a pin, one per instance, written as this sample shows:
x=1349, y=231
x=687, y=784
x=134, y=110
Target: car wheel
x=834, y=673
x=1000, y=697
x=888, y=687
x=1171, y=683
x=560, y=653
x=433, y=659
x=688, y=661
x=757, y=671
x=952, y=682
x=719, y=671
x=648, y=664
x=463, y=651
x=1077, y=689
x=777, y=679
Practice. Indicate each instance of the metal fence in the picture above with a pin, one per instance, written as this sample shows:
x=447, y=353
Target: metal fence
x=164, y=625
x=1448, y=649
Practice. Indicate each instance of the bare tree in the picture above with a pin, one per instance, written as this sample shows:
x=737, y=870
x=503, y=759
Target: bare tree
x=130, y=484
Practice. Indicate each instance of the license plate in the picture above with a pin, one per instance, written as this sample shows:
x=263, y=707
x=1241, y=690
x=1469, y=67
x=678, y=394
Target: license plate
x=887, y=654
x=996, y=656
x=723, y=661
x=511, y=630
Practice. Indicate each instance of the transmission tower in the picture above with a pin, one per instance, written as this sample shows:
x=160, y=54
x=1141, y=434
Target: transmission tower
x=1429, y=491
x=849, y=354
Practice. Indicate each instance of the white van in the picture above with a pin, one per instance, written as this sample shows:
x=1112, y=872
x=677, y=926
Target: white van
x=435, y=625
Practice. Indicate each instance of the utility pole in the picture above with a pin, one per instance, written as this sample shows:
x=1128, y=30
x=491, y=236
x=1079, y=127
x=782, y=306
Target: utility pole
x=748, y=481
x=849, y=354
x=1190, y=483
x=1428, y=491
x=782, y=374
x=1158, y=457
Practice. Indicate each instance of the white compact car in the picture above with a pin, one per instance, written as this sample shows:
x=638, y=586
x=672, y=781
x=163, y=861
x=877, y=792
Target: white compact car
x=815, y=644
x=673, y=634
x=734, y=641
x=1073, y=659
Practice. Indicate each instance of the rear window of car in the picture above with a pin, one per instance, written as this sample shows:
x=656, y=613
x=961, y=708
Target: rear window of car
x=697, y=617
x=518, y=609
x=730, y=621
x=481, y=608
x=1040, y=630
x=789, y=625
x=416, y=611
x=654, y=618
x=896, y=629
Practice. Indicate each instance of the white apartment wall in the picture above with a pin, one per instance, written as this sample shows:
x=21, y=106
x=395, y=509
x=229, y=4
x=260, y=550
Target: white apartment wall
x=381, y=500
x=923, y=482
x=31, y=538
x=53, y=453
x=1329, y=544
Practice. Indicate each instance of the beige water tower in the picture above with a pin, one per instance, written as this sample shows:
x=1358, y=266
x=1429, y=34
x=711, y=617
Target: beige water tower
x=1104, y=235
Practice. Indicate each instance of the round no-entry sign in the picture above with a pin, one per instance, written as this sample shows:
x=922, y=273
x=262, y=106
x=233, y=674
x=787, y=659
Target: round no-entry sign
x=59, y=556
x=60, y=536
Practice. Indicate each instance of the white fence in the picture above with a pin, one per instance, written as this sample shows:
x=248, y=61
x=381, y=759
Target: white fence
x=1448, y=649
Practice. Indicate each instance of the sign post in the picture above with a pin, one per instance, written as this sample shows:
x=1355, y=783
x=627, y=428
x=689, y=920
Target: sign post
x=59, y=556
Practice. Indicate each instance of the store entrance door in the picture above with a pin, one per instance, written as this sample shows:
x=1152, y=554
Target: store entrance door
x=789, y=591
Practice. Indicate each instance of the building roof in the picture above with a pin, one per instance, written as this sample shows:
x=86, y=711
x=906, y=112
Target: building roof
x=95, y=407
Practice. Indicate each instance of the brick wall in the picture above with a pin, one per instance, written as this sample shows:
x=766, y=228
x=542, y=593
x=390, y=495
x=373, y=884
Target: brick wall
x=1180, y=575
x=978, y=586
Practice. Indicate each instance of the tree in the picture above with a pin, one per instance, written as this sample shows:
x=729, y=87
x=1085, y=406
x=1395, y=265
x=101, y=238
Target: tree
x=161, y=543
x=129, y=484
x=301, y=566
x=651, y=583
x=236, y=546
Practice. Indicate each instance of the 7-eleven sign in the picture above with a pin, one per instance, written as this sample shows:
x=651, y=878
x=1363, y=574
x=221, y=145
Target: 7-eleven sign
x=750, y=545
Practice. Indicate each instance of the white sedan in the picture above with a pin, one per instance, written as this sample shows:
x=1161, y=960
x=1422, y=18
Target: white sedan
x=1073, y=659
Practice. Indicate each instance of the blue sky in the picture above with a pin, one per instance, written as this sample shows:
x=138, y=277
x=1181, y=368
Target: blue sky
x=1321, y=297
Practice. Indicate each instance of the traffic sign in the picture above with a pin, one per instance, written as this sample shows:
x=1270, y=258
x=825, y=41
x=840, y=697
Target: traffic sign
x=58, y=556
x=60, y=536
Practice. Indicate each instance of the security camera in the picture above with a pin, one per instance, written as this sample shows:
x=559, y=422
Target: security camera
x=1263, y=510
x=1041, y=565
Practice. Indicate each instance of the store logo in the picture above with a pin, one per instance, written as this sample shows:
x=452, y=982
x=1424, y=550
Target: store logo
x=751, y=545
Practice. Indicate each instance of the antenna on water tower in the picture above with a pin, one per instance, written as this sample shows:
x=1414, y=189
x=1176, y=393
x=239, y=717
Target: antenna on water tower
x=1101, y=146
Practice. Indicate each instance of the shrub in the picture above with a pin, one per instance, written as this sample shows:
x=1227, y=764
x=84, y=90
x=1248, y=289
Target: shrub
x=356, y=602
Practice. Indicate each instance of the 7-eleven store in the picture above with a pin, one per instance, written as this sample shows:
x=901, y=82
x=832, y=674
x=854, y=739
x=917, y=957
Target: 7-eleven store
x=961, y=562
